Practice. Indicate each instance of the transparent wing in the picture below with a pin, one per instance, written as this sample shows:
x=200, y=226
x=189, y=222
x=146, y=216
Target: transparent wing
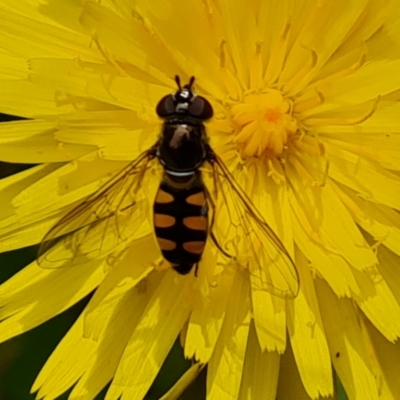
x=100, y=223
x=241, y=233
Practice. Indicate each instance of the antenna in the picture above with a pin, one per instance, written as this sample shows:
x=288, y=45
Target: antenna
x=189, y=85
x=178, y=82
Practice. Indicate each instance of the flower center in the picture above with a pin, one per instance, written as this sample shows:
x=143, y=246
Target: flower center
x=263, y=124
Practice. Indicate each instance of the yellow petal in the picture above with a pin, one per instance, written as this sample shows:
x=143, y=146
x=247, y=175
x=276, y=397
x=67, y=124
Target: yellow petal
x=349, y=354
x=376, y=138
x=332, y=267
x=387, y=355
x=333, y=224
x=35, y=142
x=110, y=131
x=14, y=184
x=116, y=336
x=274, y=24
x=67, y=184
x=388, y=268
x=320, y=20
x=34, y=208
x=260, y=371
x=245, y=240
x=101, y=82
x=374, y=15
x=154, y=335
x=289, y=373
x=381, y=122
x=126, y=39
x=73, y=356
x=269, y=314
x=236, y=19
x=192, y=40
x=379, y=304
x=14, y=237
x=271, y=200
x=24, y=99
x=366, y=177
x=16, y=131
x=121, y=278
x=381, y=222
x=38, y=295
x=209, y=310
x=307, y=336
x=124, y=7
x=383, y=148
x=65, y=14
x=366, y=28
x=94, y=361
x=30, y=37
x=226, y=366
x=359, y=87
x=12, y=67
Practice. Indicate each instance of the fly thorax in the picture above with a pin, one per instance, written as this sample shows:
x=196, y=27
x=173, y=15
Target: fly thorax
x=181, y=148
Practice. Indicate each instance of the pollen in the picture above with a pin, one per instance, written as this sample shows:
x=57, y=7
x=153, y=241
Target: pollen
x=263, y=124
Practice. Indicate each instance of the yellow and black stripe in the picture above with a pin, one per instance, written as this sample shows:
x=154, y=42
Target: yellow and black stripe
x=181, y=223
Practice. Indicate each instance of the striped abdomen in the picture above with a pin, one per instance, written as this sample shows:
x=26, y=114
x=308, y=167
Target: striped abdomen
x=181, y=224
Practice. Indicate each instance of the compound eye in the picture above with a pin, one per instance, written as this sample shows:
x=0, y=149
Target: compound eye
x=166, y=106
x=200, y=108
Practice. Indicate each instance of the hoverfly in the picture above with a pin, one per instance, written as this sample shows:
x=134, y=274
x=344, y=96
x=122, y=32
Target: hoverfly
x=182, y=204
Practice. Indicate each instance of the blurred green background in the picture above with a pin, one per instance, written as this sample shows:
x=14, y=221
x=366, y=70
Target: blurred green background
x=21, y=358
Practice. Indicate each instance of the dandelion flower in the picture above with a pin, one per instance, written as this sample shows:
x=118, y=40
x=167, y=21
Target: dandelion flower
x=306, y=99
